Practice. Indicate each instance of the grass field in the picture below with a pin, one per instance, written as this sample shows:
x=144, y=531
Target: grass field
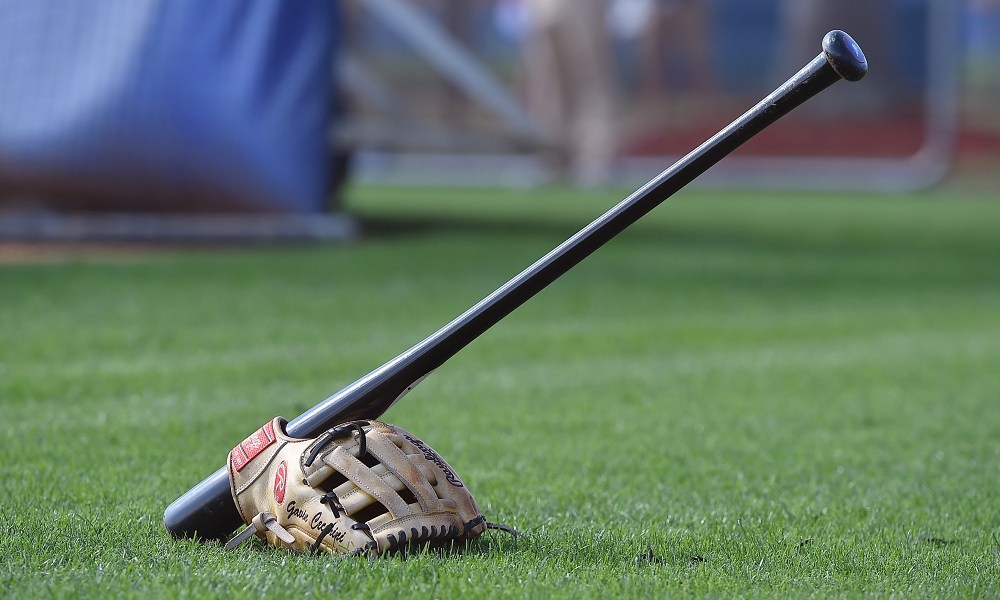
x=746, y=394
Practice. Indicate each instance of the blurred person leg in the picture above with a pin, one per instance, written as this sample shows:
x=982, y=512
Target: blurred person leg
x=544, y=85
x=570, y=85
x=652, y=66
x=692, y=30
x=682, y=28
x=801, y=20
x=589, y=70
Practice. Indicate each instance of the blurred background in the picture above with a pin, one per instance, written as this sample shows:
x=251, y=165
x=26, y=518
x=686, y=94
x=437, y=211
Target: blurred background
x=151, y=118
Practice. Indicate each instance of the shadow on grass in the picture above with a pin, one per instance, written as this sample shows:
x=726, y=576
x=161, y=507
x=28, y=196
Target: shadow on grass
x=482, y=546
x=784, y=236
x=781, y=254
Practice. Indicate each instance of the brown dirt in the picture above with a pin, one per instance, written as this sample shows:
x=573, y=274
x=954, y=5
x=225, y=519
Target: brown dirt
x=20, y=253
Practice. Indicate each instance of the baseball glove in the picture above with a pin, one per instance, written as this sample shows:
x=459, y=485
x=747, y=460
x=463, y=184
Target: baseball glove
x=362, y=486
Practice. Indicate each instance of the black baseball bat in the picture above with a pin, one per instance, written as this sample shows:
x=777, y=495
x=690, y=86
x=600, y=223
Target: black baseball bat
x=208, y=512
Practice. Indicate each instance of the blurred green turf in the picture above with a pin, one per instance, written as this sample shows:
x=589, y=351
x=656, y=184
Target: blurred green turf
x=746, y=394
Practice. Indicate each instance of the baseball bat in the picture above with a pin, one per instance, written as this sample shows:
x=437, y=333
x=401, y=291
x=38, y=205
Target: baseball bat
x=208, y=512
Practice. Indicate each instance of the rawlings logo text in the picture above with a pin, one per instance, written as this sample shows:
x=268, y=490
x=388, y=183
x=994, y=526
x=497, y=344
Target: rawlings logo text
x=433, y=457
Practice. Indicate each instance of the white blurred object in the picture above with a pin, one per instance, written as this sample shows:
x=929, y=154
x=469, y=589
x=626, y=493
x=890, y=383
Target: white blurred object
x=510, y=19
x=627, y=19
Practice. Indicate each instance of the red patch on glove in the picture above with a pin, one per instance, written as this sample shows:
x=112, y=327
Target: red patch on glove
x=251, y=447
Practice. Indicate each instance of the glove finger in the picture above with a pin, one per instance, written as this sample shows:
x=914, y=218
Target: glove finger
x=360, y=474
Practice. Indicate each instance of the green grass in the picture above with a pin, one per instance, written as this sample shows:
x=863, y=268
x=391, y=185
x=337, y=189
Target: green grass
x=746, y=394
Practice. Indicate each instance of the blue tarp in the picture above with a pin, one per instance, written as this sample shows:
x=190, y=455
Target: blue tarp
x=167, y=104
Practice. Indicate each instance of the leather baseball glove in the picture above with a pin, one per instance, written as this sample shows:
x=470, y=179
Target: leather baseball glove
x=362, y=486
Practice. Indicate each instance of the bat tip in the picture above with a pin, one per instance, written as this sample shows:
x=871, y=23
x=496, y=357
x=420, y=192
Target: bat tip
x=845, y=55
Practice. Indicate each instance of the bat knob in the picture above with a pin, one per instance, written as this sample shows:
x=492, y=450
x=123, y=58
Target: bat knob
x=844, y=55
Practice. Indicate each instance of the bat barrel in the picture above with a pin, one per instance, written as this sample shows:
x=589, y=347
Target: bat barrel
x=207, y=511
